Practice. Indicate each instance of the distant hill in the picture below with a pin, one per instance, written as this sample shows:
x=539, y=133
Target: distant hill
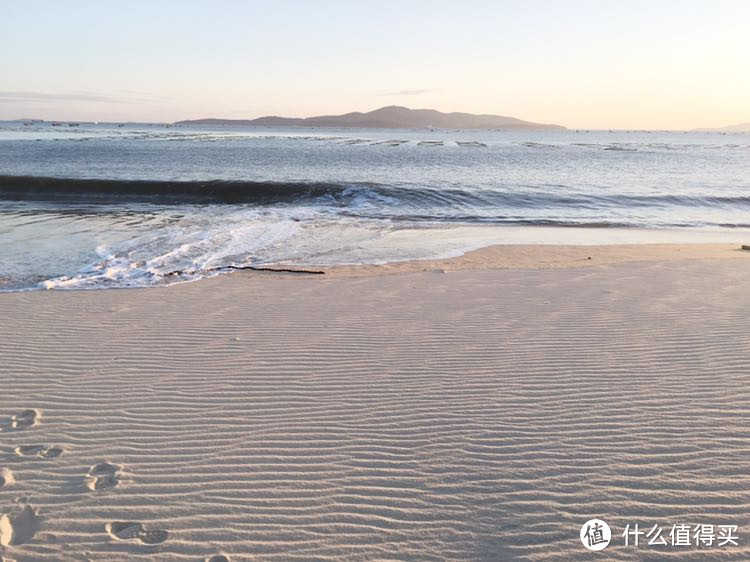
x=741, y=128
x=391, y=117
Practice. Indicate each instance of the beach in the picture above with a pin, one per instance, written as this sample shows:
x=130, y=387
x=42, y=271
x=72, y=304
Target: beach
x=475, y=408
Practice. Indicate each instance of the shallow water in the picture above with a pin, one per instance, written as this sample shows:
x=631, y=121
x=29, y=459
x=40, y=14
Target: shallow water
x=328, y=196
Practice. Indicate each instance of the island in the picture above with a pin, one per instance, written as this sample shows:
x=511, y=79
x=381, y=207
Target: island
x=390, y=117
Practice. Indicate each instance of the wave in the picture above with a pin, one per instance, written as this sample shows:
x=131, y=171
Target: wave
x=383, y=196
x=39, y=188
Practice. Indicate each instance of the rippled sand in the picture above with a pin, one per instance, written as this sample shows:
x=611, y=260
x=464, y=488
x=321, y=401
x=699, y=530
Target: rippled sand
x=473, y=415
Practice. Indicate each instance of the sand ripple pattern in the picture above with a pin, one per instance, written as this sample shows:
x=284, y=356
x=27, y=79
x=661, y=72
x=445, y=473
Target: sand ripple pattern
x=460, y=416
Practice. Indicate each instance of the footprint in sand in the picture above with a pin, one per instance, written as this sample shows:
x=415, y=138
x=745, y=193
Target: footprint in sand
x=25, y=419
x=218, y=558
x=6, y=477
x=39, y=451
x=20, y=527
x=128, y=530
x=103, y=476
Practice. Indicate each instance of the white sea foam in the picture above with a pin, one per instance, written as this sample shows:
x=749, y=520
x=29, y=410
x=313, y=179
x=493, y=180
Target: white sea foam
x=186, y=250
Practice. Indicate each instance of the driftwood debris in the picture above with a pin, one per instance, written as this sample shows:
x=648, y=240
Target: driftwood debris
x=241, y=267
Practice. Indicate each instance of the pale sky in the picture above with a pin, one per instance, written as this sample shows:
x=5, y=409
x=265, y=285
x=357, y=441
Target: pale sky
x=579, y=63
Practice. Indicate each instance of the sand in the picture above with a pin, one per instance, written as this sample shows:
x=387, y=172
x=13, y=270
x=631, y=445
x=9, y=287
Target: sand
x=484, y=412
x=540, y=256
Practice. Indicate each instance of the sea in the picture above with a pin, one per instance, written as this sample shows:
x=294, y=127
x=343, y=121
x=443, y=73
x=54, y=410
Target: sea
x=115, y=205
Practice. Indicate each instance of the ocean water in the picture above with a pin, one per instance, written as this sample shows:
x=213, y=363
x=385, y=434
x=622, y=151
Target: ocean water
x=107, y=205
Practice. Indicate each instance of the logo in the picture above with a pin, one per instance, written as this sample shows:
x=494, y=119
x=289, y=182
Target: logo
x=595, y=534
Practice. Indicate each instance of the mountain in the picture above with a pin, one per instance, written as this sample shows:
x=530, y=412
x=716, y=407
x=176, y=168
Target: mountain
x=741, y=128
x=390, y=117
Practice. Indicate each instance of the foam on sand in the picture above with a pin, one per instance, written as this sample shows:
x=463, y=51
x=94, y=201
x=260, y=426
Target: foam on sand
x=480, y=414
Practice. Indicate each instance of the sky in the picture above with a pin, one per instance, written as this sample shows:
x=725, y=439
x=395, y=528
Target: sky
x=583, y=64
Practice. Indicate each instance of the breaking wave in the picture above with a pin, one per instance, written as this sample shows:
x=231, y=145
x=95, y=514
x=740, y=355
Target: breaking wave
x=218, y=191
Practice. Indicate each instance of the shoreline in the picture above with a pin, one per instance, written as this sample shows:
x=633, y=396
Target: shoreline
x=535, y=256
x=490, y=257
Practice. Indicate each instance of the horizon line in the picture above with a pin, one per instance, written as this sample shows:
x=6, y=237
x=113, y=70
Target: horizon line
x=720, y=129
